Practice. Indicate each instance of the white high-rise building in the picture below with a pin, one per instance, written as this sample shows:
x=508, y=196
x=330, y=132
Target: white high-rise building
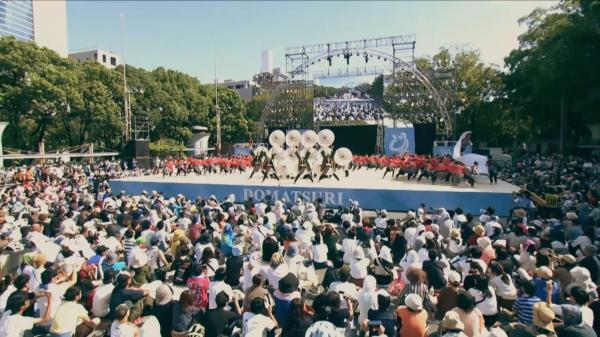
x=266, y=61
x=44, y=22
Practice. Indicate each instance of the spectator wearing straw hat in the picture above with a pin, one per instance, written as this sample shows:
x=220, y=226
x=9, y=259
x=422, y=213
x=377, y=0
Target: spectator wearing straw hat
x=542, y=317
x=452, y=326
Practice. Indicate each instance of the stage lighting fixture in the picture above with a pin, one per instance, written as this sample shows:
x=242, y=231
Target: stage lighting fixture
x=347, y=57
x=366, y=58
x=329, y=60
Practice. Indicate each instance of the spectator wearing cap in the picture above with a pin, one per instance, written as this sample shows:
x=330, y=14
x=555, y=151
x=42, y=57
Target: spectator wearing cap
x=412, y=316
x=234, y=266
x=111, y=262
x=469, y=315
x=447, y=297
x=284, y=295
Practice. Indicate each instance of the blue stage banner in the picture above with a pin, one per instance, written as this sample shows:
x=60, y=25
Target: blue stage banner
x=393, y=200
x=399, y=140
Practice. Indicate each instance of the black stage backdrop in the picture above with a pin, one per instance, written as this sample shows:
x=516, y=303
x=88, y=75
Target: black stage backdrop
x=359, y=139
x=424, y=138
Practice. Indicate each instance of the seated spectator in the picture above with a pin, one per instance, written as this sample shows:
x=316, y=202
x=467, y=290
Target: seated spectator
x=412, y=317
x=102, y=294
x=13, y=323
x=69, y=315
x=524, y=304
x=259, y=320
x=388, y=317
x=218, y=321
x=163, y=309
x=184, y=314
x=123, y=291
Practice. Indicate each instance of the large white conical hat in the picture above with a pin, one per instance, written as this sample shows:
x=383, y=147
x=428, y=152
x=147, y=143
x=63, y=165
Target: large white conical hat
x=281, y=168
x=326, y=137
x=275, y=150
x=293, y=138
x=277, y=137
x=342, y=156
x=260, y=149
x=309, y=138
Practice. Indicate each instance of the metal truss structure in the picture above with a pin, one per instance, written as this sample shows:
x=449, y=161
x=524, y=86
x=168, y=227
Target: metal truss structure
x=140, y=126
x=411, y=94
x=347, y=72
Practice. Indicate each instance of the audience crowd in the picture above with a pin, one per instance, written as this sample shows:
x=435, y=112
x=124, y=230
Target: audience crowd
x=95, y=262
x=346, y=109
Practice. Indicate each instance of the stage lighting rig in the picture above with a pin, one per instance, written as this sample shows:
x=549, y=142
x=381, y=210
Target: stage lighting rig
x=329, y=58
x=347, y=56
x=366, y=58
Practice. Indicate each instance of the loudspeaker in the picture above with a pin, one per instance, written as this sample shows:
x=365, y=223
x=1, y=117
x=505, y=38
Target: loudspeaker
x=140, y=150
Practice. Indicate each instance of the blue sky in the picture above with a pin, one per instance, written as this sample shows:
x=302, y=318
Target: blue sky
x=189, y=36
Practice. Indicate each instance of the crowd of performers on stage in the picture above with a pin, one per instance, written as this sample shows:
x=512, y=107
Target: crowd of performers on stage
x=416, y=167
x=304, y=166
x=206, y=165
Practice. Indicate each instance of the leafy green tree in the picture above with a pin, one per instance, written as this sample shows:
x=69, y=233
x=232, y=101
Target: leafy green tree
x=557, y=65
x=37, y=86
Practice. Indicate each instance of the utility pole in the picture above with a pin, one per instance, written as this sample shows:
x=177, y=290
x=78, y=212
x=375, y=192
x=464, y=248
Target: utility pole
x=218, y=112
x=126, y=93
x=562, y=124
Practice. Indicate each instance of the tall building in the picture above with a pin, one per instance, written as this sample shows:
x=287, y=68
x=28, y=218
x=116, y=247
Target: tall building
x=106, y=58
x=266, y=61
x=44, y=22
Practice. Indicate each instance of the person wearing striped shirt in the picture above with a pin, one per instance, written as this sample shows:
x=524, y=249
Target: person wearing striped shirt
x=523, y=306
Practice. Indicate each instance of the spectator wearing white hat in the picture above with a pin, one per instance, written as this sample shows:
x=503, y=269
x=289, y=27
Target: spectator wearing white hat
x=413, y=317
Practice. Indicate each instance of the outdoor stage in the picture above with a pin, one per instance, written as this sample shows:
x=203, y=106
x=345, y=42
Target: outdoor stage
x=365, y=186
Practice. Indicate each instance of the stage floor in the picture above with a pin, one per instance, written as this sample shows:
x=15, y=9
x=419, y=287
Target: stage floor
x=366, y=186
